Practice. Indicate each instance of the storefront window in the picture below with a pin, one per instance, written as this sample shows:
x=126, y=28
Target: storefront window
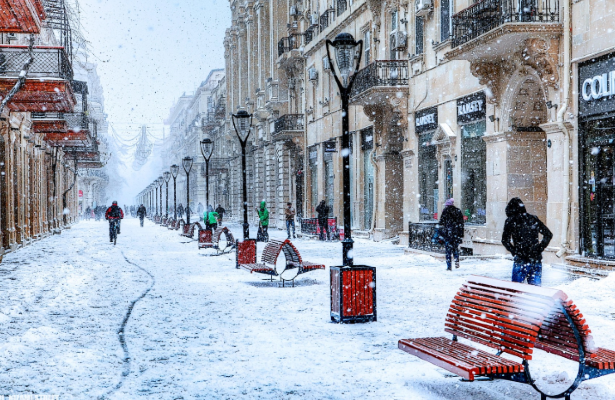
x=313, y=166
x=473, y=172
x=428, y=178
x=329, y=181
x=367, y=144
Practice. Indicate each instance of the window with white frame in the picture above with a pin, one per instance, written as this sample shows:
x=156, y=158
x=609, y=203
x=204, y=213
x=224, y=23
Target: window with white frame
x=445, y=19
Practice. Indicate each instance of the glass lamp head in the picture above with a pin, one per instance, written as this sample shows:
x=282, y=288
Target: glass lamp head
x=187, y=164
x=167, y=176
x=347, y=56
x=174, y=170
x=242, y=121
x=207, y=148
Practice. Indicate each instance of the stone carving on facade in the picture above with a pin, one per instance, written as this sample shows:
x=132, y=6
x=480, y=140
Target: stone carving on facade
x=536, y=55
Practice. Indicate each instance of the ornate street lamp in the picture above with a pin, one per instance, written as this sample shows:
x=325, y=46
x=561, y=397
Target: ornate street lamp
x=207, y=149
x=242, y=122
x=174, y=172
x=345, y=66
x=187, y=164
x=167, y=176
x=155, y=185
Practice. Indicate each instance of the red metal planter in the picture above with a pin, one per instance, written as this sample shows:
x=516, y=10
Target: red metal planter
x=353, y=294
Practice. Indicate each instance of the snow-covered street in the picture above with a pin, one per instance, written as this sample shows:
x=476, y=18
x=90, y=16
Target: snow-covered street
x=208, y=330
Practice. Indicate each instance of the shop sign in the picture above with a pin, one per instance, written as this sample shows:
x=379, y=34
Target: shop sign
x=81, y=193
x=426, y=120
x=471, y=108
x=597, y=86
x=330, y=146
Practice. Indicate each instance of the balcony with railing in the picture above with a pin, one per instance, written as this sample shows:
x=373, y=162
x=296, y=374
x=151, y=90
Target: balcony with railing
x=378, y=79
x=289, y=43
x=21, y=16
x=288, y=126
x=493, y=27
x=47, y=87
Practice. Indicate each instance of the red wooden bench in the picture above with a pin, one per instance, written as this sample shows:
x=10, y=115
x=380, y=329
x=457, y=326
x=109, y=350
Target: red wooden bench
x=512, y=318
x=293, y=266
x=189, y=229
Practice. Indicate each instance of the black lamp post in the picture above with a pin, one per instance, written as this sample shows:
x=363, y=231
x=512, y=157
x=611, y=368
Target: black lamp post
x=167, y=176
x=355, y=302
x=160, y=182
x=207, y=149
x=187, y=164
x=242, y=122
x=156, y=195
x=174, y=172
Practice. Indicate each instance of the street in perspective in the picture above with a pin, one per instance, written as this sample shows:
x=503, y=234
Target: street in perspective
x=316, y=199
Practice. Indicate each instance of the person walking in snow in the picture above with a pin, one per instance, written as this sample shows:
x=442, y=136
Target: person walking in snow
x=180, y=210
x=323, y=219
x=263, y=220
x=220, y=210
x=289, y=213
x=520, y=237
x=211, y=219
x=451, y=230
x=141, y=213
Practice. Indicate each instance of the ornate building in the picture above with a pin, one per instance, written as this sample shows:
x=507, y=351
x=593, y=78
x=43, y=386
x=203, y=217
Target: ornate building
x=46, y=136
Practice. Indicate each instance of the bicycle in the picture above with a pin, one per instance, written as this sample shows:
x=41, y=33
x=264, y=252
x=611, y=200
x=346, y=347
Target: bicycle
x=114, y=225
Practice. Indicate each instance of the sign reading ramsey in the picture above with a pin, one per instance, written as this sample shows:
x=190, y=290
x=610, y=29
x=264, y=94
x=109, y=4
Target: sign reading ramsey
x=471, y=108
x=426, y=120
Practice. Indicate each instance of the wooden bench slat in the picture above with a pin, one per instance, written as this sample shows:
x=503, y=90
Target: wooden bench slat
x=511, y=307
x=512, y=323
x=490, y=323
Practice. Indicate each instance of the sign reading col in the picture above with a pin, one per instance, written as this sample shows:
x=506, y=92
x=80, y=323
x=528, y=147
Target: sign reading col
x=597, y=86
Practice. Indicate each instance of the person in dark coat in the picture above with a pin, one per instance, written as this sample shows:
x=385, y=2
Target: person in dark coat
x=180, y=210
x=220, y=210
x=323, y=219
x=141, y=213
x=451, y=230
x=520, y=237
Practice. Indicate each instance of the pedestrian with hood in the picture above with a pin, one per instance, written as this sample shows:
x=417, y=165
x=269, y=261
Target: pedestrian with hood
x=520, y=237
x=220, y=210
x=323, y=216
x=451, y=230
x=289, y=212
x=211, y=218
x=263, y=221
x=141, y=213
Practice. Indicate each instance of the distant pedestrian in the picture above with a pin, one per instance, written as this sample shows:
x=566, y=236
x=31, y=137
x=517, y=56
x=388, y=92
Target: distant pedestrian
x=141, y=213
x=323, y=219
x=263, y=221
x=289, y=212
x=180, y=210
x=520, y=237
x=451, y=230
x=220, y=210
x=199, y=208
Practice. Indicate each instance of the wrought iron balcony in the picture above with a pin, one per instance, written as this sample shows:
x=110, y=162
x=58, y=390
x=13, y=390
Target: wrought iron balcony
x=486, y=15
x=381, y=73
x=289, y=123
x=77, y=122
x=292, y=42
x=327, y=19
x=49, y=62
x=342, y=5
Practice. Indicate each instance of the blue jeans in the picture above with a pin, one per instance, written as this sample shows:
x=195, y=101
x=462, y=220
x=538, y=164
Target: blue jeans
x=530, y=270
x=452, y=250
x=290, y=223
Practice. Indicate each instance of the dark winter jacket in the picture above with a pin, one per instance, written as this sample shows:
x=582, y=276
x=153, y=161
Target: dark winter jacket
x=141, y=212
x=323, y=211
x=114, y=212
x=220, y=210
x=451, y=225
x=521, y=230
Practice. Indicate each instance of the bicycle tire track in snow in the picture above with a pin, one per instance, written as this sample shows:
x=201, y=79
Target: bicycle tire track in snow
x=121, y=331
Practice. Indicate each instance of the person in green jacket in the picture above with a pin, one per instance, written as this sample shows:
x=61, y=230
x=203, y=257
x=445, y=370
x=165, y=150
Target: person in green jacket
x=263, y=219
x=211, y=219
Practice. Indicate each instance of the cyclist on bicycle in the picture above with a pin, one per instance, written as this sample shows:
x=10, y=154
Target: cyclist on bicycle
x=114, y=215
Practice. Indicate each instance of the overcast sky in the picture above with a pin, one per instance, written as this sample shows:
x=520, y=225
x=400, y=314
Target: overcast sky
x=148, y=53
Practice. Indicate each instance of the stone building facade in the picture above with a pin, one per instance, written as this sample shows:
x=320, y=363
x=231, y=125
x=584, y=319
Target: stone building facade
x=45, y=133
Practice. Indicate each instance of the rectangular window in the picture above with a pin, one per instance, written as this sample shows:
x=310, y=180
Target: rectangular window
x=445, y=20
x=367, y=39
x=329, y=180
x=419, y=35
x=428, y=178
x=313, y=167
x=474, y=172
x=394, y=21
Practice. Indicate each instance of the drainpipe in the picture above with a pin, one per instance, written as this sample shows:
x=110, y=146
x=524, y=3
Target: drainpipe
x=564, y=129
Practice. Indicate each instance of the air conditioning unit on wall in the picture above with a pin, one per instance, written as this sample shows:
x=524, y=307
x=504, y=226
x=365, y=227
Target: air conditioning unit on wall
x=399, y=40
x=313, y=74
x=423, y=7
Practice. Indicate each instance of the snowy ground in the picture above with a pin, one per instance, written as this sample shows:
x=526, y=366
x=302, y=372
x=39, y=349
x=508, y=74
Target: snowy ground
x=208, y=330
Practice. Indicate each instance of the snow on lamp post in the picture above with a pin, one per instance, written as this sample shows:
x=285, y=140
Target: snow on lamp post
x=187, y=164
x=242, y=122
x=167, y=176
x=207, y=149
x=174, y=172
x=354, y=302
